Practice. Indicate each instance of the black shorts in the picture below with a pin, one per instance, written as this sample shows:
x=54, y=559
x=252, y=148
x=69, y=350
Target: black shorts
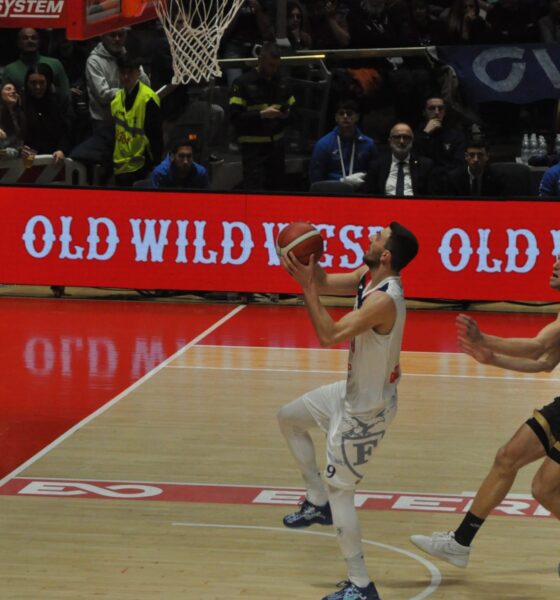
x=545, y=422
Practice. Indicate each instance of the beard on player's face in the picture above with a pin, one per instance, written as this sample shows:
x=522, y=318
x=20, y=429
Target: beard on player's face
x=372, y=258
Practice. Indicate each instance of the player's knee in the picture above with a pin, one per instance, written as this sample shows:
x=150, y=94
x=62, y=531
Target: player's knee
x=540, y=491
x=543, y=490
x=506, y=460
x=283, y=416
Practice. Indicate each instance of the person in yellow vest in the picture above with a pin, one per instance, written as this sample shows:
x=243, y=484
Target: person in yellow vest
x=138, y=132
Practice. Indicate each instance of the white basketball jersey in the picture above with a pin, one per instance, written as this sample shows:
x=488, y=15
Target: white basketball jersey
x=373, y=364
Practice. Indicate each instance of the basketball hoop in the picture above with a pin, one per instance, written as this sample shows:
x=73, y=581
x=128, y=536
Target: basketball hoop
x=194, y=29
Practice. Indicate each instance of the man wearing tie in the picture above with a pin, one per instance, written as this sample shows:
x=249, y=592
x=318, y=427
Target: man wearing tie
x=400, y=173
x=475, y=178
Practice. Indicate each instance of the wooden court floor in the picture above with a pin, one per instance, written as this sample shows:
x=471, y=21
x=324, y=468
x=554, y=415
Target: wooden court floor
x=175, y=489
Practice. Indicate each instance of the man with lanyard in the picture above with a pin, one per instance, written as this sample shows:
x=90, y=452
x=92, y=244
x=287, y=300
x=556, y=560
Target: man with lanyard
x=138, y=132
x=345, y=152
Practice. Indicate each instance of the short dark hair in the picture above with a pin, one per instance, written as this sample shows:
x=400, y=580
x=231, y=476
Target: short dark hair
x=190, y=139
x=348, y=104
x=477, y=142
x=128, y=61
x=183, y=142
x=402, y=244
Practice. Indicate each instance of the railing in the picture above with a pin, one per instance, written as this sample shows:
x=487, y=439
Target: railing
x=43, y=171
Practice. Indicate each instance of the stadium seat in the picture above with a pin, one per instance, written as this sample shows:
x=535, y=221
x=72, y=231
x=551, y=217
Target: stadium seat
x=517, y=178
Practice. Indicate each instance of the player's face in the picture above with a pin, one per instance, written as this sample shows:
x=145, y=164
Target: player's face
x=372, y=258
x=555, y=275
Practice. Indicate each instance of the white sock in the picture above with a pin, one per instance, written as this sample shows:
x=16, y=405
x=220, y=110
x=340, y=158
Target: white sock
x=316, y=493
x=357, y=572
x=349, y=534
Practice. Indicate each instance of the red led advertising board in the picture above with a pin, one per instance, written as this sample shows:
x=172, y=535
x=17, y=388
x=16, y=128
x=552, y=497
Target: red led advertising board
x=148, y=239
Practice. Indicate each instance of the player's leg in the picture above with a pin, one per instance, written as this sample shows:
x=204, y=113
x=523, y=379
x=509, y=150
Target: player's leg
x=351, y=443
x=546, y=485
x=523, y=449
x=313, y=409
x=454, y=546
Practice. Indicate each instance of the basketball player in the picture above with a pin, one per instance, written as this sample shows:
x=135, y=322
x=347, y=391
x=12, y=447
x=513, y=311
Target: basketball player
x=537, y=438
x=354, y=413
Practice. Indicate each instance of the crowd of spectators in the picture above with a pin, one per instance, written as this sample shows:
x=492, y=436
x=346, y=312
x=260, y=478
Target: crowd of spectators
x=96, y=101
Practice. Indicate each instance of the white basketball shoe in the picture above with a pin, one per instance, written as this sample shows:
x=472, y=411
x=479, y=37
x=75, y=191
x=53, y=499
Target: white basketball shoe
x=443, y=545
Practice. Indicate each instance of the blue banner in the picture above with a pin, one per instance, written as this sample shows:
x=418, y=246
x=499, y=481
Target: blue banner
x=519, y=74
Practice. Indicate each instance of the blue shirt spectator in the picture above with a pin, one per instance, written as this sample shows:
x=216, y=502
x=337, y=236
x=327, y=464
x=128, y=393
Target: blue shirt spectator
x=178, y=170
x=345, y=151
x=550, y=182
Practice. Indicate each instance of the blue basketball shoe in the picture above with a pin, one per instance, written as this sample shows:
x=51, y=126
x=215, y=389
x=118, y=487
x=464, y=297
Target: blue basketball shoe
x=309, y=514
x=350, y=591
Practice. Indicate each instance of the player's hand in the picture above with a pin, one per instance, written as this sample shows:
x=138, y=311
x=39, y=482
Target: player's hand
x=303, y=274
x=480, y=353
x=468, y=331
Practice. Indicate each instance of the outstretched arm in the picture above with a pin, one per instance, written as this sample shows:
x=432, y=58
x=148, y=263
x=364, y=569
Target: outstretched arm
x=529, y=355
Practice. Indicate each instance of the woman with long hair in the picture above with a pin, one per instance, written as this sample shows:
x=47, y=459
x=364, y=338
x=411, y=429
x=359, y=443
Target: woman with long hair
x=12, y=122
x=465, y=25
x=47, y=124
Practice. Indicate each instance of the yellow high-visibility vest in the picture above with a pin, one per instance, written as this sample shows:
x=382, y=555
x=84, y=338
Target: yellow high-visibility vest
x=131, y=142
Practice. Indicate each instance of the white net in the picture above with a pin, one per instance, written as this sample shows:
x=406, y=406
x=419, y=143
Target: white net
x=194, y=29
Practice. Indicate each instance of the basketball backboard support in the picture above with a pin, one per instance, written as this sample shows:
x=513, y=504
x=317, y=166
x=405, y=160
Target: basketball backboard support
x=82, y=19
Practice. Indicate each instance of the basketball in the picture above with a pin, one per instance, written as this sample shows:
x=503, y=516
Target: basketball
x=302, y=239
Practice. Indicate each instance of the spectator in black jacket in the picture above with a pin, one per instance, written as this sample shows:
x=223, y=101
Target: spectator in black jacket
x=47, y=115
x=475, y=177
x=437, y=140
x=261, y=108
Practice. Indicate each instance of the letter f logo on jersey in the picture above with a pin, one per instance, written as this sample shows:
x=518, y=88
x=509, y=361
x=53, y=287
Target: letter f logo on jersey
x=359, y=442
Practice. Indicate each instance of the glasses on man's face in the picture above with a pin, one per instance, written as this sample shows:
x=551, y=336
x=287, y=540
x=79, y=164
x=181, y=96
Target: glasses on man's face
x=404, y=137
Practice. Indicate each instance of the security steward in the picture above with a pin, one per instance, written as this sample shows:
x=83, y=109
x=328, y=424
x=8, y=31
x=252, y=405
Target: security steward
x=261, y=106
x=138, y=130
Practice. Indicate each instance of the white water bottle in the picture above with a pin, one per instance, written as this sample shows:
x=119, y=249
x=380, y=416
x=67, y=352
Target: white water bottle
x=525, y=148
x=557, y=144
x=542, y=148
x=533, y=145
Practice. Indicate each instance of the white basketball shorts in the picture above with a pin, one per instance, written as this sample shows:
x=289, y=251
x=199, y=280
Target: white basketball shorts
x=351, y=439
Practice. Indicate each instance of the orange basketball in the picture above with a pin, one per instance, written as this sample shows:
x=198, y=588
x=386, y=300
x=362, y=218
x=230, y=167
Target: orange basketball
x=302, y=239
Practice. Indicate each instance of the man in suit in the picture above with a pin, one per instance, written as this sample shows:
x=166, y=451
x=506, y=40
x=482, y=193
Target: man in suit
x=476, y=177
x=399, y=173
